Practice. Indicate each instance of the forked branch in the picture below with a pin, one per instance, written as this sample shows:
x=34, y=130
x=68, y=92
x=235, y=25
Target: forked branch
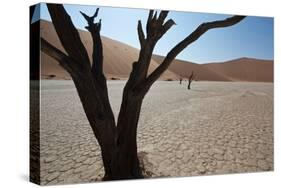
x=156, y=27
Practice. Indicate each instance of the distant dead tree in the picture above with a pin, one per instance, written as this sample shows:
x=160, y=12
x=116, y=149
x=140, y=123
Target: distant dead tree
x=118, y=141
x=190, y=79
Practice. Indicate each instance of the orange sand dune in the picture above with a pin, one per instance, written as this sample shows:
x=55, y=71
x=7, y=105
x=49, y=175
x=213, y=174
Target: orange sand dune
x=118, y=57
x=243, y=69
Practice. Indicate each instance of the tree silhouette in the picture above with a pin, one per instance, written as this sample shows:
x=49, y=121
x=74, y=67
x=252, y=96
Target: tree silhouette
x=117, y=141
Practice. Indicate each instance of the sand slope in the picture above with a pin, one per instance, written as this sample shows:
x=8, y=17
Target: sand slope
x=243, y=69
x=118, y=57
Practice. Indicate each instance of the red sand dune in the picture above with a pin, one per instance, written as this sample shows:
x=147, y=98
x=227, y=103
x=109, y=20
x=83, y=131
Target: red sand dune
x=118, y=59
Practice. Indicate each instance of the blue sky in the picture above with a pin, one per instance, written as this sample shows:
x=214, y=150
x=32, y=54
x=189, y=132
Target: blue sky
x=252, y=37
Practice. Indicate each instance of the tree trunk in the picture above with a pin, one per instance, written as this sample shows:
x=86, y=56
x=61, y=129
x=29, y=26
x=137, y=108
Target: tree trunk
x=102, y=126
x=118, y=149
x=126, y=161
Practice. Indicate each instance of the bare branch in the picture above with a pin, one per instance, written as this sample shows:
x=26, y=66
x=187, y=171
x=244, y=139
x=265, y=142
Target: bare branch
x=200, y=31
x=162, y=16
x=167, y=26
x=151, y=12
x=96, y=14
x=58, y=55
x=97, y=55
x=99, y=25
x=140, y=34
x=67, y=33
x=90, y=19
x=154, y=17
x=187, y=41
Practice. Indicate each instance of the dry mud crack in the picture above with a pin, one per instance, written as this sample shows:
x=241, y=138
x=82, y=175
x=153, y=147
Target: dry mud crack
x=215, y=128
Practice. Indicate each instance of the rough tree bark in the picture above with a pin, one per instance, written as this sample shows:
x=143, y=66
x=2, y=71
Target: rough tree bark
x=190, y=79
x=118, y=141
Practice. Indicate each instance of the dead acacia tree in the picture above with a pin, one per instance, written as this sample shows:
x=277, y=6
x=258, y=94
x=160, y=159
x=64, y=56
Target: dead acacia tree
x=190, y=79
x=117, y=140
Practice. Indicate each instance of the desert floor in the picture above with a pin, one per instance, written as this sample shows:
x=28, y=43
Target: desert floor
x=214, y=128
